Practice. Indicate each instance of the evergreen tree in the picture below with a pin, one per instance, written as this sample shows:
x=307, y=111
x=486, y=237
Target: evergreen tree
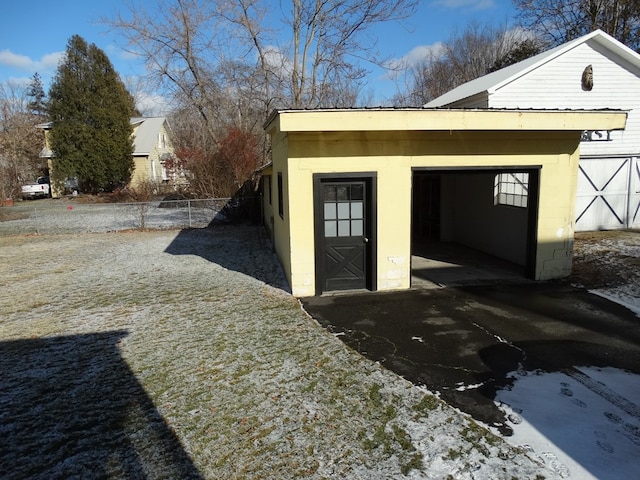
x=521, y=51
x=90, y=111
x=37, y=102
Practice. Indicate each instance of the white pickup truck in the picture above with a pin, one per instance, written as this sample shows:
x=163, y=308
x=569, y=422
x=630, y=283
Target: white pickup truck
x=35, y=190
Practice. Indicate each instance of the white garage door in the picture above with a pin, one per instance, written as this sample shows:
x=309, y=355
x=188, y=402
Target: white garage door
x=608, y=195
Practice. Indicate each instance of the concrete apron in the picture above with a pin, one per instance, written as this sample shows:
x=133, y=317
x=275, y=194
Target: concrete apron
x=462, y=342
x=437, y=264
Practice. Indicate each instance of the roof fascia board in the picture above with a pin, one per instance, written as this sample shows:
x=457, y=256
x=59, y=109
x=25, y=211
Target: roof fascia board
x=446, y=120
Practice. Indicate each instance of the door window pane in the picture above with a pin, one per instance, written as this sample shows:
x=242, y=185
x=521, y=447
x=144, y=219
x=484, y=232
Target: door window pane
x=280, y=196
x=357, y=192
x=329, y=211
x=356, y=209
x=329, y=193
x=343, y=228
x=343, y=210
x=342, y=192
x=357, y=228
x=330, y=228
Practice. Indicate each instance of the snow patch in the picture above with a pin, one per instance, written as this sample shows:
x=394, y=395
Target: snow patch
x=621, y=297
x=571, y=429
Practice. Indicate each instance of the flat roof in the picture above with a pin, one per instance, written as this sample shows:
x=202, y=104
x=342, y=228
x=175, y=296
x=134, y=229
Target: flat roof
x=430, y=119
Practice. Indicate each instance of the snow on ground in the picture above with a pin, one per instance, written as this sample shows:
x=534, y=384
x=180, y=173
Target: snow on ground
x=572, y=429
x=585, y=423
x=621, y=297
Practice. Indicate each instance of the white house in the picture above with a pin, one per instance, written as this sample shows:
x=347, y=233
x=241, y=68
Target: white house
x=591, y=72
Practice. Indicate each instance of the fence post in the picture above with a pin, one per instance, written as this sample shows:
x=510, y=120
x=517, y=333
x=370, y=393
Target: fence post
x=35, y=215
x=189, y=208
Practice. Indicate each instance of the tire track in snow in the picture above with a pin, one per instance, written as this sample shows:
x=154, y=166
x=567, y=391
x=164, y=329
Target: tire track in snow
x=605, y=392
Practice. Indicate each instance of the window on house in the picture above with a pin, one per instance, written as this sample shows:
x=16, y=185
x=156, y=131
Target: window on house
x=162, y=141
x=269, y=188
x=512, y=189
x=280, y=197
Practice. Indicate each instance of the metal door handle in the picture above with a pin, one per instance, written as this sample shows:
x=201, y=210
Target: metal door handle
x=366, y=240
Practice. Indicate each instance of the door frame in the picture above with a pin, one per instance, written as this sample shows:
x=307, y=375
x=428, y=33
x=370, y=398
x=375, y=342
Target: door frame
x=371, y=228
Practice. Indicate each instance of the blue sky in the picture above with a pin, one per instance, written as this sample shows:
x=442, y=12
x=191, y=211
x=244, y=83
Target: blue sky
x=34, y=34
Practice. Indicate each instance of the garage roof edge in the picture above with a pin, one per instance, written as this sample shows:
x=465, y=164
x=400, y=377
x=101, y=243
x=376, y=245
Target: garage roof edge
x=422, y=119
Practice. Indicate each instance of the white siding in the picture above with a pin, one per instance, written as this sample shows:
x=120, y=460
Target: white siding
x=557, y=84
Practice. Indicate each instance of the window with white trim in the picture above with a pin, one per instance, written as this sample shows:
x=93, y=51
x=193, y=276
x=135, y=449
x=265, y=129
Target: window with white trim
x=512, y=189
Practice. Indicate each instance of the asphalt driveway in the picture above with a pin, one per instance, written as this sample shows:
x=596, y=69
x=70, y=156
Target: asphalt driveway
x=463, y=342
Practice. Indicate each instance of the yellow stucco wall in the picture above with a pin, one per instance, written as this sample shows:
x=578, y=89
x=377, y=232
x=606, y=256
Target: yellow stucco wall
x=281, y=225
x=299, y=153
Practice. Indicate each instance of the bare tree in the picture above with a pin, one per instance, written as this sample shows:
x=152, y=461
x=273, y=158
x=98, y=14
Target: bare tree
x=562, y=20
x=230, y=61
x=175, y=43
x=317, y=60
x=328, y=40
x=20, y=141
x=465, y=56
x=199, y=47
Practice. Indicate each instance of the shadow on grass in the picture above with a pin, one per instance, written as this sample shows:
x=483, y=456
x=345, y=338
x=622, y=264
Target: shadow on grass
x=241, y=248
x=71, y=408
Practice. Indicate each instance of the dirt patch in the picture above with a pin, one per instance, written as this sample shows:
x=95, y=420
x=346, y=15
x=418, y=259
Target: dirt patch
x=606, y=259
x=8, y=214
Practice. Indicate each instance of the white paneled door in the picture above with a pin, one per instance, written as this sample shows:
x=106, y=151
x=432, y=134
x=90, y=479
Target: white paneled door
x=608, y=194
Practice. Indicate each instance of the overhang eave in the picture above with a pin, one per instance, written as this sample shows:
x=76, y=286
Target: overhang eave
x=445, y=120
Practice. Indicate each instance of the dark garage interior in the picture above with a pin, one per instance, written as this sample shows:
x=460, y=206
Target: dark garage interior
x=462, y=234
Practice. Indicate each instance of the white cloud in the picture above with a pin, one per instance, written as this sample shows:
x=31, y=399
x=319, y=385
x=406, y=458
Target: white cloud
x=415, y=56
x=51, y=60
x=519, y=34
x=10, y=59
x=23, y=62
x=466, y=4
x=277, y=60
x=152, y=104
x=127, y=55
x=115, y=51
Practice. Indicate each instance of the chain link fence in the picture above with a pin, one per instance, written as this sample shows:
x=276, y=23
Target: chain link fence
x=50, y=217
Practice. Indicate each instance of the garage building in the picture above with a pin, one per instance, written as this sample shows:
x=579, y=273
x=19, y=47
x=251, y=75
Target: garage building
x=350, y=193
